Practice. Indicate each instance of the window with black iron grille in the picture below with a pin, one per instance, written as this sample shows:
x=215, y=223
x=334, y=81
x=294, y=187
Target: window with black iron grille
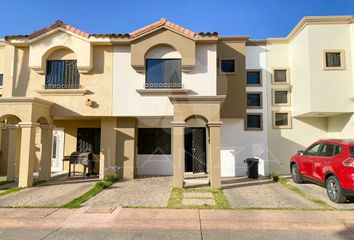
x=62, y=74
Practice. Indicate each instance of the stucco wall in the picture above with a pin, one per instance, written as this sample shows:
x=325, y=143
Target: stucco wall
x=325, y=85
x=98, y=83
x=126, y=80
x=232, y=85
x=238, y=144
x=2, y=59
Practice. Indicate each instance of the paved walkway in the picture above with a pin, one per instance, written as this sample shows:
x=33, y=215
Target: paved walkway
x=262, y=193
x=320, y=193
x=53, y=193
x=145, y=192
x=50, y=224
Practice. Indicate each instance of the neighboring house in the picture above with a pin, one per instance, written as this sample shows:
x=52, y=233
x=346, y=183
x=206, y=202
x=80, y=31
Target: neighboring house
x=164, y=100
x=310, y=86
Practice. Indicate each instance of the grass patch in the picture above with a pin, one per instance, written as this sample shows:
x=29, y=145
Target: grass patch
x=322, y=203
x=220, y=199
x=76, y=203
x=37, y=182
x=5, y=182
x=10, y=190
x=176, y=198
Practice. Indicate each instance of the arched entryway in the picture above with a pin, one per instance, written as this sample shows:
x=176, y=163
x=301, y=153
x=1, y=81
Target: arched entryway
x=26, y=137
x=200, y=117
x=10, y=139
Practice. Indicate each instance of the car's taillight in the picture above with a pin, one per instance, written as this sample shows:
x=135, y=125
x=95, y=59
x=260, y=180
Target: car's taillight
x=348, y=162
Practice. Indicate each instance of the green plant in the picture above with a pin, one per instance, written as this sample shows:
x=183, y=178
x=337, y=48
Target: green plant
x=5, y=182
x=10, y=190
x=112, y=173
x=274, y=176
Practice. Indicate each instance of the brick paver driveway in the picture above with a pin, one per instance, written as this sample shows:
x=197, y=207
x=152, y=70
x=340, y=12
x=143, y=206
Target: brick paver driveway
x=263, y=193
x=145, y=192
x=53, y=193
x=320, y=193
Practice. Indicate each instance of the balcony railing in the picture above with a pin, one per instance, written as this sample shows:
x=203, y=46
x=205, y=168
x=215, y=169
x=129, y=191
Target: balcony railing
x=163, y=85
x=62, y=86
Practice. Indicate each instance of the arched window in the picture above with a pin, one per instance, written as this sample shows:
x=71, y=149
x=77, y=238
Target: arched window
x=62, y=74
x=163, y=68
x=62, y=71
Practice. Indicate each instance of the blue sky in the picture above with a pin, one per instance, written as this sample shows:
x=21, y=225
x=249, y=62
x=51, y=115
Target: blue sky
x=258, y=19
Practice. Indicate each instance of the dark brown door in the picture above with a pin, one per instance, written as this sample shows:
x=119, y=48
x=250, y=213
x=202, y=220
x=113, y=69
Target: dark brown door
x=195, y=150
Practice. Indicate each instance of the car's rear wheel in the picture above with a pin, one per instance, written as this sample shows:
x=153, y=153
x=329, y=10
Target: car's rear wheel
x=297, y=178
x=334, y=190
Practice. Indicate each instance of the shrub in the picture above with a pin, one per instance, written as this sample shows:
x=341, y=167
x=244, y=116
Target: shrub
x=275, y=177
x=112, y=173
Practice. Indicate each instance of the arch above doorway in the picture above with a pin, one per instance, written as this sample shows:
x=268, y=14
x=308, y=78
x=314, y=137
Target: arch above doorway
x=206, y=109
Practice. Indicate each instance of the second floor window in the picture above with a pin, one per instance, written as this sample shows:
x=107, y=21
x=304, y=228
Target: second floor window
x=62, y=74
x=1, y=79
x=163, y=73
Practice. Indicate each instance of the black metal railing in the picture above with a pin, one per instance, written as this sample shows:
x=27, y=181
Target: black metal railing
x=62, y=74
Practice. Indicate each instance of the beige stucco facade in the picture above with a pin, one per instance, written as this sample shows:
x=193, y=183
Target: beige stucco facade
x=320, y=98
x=112, y=99
x=31, y=111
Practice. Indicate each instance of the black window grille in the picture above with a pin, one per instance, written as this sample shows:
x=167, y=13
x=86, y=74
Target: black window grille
x=62, y=74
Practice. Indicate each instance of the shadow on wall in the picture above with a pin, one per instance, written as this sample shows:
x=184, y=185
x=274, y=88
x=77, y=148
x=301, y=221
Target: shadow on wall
x=231, y=84
x=98, y=63
x=281, y=147
x=201, y=62
x=22, y=72
x=336, y=124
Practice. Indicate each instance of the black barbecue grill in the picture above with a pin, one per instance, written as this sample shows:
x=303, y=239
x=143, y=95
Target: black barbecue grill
x=83, y=158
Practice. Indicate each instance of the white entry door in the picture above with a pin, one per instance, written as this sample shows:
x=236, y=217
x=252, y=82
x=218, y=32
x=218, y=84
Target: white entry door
x=58, y=149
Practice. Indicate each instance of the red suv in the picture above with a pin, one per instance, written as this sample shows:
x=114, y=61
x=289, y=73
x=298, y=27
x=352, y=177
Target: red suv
x=329, y=163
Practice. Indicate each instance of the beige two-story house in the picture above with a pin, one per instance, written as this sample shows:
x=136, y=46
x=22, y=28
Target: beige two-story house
x=164, y=100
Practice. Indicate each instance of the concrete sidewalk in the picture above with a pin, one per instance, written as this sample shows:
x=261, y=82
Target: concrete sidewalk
x=123, y=223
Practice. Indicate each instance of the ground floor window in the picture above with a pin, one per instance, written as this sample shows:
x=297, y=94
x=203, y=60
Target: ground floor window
x=154, y=141
x=88, y=139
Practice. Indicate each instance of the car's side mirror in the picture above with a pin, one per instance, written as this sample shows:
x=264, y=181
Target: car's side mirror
x=300, y=152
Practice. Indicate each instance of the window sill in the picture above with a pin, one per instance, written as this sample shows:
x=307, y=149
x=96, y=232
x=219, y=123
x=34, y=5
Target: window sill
x=334, y=68
x=163, y=91
x=62, y=92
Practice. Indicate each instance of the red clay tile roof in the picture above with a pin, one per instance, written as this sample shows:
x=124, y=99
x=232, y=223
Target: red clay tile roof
x=162, y=22
x=58, y=24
